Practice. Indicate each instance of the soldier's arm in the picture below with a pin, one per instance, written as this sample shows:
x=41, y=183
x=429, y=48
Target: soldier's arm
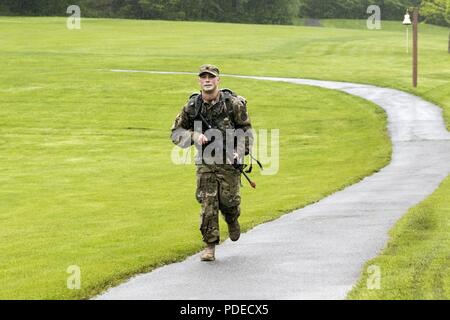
x=242, y=121
x=183, y=134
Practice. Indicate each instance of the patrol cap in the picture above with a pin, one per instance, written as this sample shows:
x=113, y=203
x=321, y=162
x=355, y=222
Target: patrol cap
x=209, y=68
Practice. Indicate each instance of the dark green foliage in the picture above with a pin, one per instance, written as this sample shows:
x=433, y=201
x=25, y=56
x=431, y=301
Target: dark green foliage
x=354, y=9
x=436, y=11
x=34, y=7
x=251, y=11
x=245, y=11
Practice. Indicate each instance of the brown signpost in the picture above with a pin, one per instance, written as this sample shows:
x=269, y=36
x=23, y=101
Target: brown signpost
x=415, y=45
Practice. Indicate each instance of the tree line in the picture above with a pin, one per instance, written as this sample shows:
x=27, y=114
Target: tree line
x=242, y=11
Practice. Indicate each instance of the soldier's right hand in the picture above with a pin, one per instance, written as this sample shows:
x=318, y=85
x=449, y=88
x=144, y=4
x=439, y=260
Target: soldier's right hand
x=202, y=139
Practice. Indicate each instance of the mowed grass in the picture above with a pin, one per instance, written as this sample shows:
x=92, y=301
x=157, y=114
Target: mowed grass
x=86, y=153
x=87, y=178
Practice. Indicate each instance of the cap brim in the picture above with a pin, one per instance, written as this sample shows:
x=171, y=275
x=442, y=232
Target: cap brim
x=209, y=72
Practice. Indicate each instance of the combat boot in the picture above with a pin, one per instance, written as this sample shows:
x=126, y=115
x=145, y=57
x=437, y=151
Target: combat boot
x=208, y=254
x=234, y=230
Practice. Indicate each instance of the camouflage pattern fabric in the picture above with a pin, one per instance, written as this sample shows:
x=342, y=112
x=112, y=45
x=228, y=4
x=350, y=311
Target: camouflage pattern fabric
x=218, y=115
x=218, y=188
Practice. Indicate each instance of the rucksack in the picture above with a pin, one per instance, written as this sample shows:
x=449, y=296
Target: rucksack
x=195, y=103
x=194, y=106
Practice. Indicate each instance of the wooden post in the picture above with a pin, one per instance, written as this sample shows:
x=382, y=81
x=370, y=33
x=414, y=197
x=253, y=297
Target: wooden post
x=415, y=46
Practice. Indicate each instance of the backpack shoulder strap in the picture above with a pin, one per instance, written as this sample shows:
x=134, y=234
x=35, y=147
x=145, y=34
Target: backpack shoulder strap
x=227, y=96
x=194, y=95
x=194, y=104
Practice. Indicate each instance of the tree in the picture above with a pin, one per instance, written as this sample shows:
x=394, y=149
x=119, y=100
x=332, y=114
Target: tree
x=353, y=9
x=436, y=11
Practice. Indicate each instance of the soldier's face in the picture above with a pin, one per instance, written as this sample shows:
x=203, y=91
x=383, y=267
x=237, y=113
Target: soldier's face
x=208, y=82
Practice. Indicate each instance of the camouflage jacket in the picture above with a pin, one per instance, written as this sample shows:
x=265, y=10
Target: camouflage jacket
x=229, y=111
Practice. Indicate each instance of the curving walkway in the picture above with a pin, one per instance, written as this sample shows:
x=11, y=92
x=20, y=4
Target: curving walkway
x=317, y=252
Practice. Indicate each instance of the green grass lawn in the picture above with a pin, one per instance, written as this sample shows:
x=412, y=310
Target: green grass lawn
x=85, y=153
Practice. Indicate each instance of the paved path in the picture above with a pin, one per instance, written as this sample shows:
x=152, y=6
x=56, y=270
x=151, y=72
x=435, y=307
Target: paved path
x=318, y=252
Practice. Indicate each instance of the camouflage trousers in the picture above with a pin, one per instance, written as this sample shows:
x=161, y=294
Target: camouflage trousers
x=218, y=188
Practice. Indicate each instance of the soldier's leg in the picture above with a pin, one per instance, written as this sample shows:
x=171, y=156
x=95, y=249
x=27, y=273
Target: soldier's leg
x=230, y=214
x=207, y=195
x=229, y=200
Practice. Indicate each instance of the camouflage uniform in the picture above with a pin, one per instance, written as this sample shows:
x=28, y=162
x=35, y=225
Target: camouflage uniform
x=218, y=184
